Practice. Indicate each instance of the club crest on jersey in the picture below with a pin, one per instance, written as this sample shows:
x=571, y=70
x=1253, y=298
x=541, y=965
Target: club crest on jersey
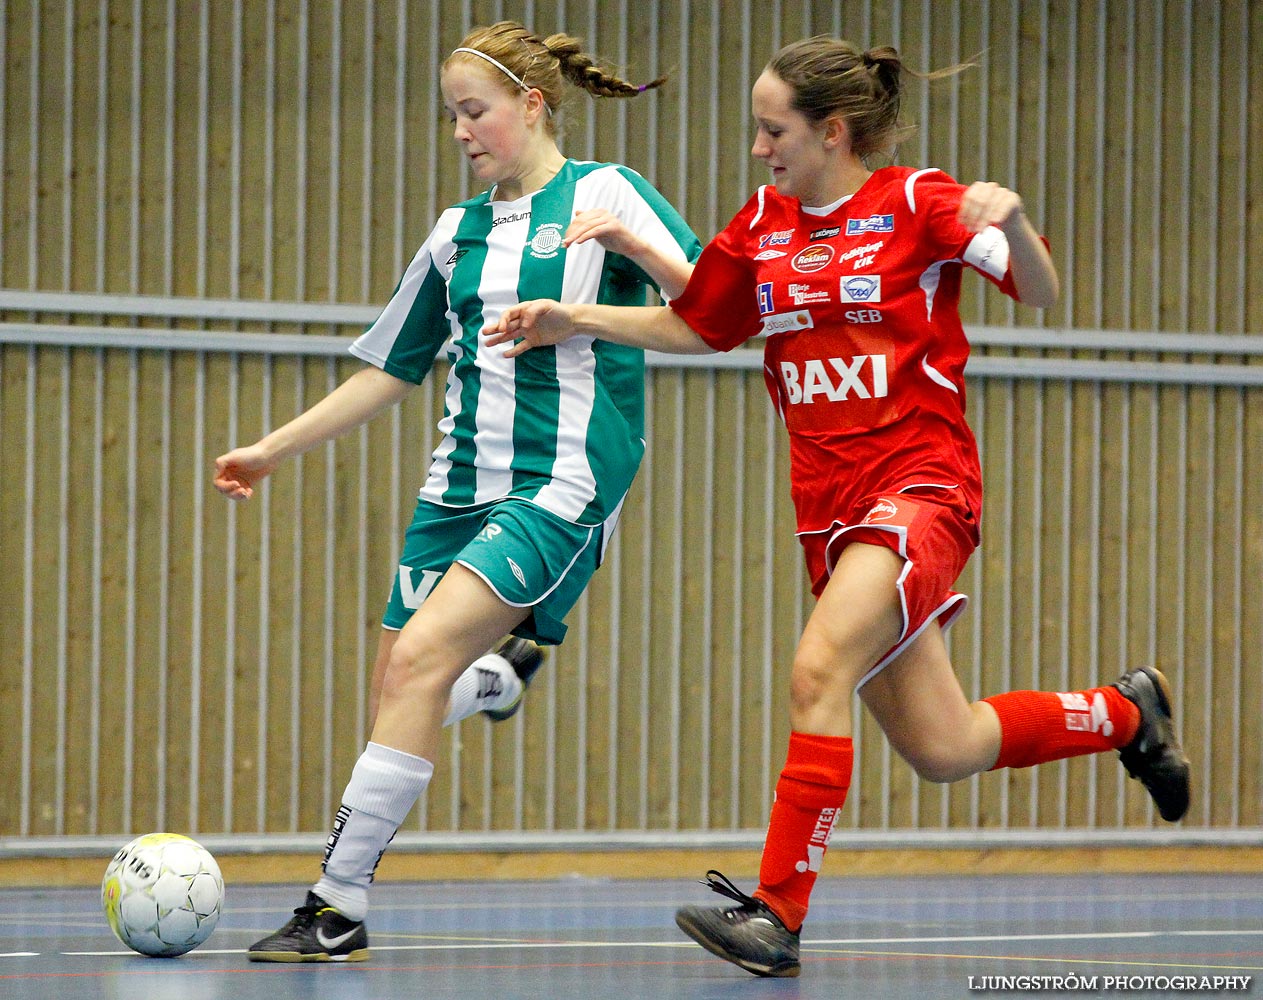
x=862, y=288
x=812, y=258
x=787, y=323
x=547, y=241
x=873, y=224
x=778, y=239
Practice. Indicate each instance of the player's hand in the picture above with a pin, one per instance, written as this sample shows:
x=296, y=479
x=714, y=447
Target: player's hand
x=237, y=472
x=537, y=323
x=604, y=227
x=987, y=204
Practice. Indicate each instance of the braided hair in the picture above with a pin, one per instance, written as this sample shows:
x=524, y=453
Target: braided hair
x=546, y=64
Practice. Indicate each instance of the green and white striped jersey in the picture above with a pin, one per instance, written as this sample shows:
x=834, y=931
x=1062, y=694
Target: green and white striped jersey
x=562, y=427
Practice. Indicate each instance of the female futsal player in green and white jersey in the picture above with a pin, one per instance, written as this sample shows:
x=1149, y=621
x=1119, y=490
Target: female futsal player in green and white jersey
x=537, y=453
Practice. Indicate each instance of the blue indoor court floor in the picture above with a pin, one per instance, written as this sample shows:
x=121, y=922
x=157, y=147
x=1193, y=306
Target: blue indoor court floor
x=867, y=937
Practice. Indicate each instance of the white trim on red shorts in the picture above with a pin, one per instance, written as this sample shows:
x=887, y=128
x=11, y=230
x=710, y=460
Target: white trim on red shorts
x=955, y=603
x=902, y=535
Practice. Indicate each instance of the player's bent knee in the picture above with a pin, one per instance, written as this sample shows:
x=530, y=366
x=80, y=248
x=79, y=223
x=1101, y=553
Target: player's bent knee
x=940, y=765
x=808, y=686
x=816, y=681
x=414, y=666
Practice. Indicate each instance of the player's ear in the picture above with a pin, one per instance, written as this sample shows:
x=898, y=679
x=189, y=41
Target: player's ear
x=835, y=133
x=535, y=106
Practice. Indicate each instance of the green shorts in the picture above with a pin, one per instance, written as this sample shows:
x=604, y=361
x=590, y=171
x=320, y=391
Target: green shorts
x=531, y=559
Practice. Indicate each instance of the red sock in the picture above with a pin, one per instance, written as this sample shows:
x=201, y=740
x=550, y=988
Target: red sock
x=809, y=796
x=1039, y=726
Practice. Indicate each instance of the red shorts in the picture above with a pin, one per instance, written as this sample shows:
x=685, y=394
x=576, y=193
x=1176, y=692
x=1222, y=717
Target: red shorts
x=934, y=532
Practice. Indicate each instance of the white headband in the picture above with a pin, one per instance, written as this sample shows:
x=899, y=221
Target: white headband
x=503, y=69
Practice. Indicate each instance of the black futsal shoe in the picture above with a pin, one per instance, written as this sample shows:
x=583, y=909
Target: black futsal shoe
x=1154, y=757
x=316, y=933
x=749, y=935
x=525, y=658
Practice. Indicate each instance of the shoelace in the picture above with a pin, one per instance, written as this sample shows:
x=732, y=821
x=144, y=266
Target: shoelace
x=305, y=915
x=719, y=882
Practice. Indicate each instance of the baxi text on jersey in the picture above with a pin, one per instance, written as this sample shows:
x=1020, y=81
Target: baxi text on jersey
x=836, y=379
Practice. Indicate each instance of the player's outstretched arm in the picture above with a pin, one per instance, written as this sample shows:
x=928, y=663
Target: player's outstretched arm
x=544, y=321
x=670, y=273
x=1034, y=275
x=354, y=402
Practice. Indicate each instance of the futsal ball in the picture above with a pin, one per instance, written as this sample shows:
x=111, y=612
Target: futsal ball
x=162, y=894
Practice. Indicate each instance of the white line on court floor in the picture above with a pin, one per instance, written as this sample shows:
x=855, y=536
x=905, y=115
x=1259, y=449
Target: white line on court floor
x=501, y=944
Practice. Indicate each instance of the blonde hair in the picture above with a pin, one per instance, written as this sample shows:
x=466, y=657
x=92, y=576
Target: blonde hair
x=831, y=76
x=545, y=64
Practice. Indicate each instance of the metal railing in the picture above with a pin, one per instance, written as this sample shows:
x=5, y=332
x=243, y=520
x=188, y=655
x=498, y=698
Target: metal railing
x=178, y=662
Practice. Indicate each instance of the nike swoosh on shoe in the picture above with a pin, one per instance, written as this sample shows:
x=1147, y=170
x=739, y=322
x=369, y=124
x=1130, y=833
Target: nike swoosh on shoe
x=334, y=942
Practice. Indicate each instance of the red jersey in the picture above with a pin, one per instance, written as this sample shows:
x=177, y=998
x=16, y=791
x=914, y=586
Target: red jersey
x=864, y=353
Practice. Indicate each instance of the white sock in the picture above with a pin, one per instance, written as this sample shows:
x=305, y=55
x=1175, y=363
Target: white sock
x=488, y=682
x=383, y=788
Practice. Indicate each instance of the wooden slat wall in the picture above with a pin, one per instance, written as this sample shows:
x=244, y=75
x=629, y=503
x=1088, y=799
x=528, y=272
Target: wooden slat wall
x=171, y=660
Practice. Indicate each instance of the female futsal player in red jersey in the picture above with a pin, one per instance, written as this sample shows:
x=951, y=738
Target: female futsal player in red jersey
x=852, y=276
